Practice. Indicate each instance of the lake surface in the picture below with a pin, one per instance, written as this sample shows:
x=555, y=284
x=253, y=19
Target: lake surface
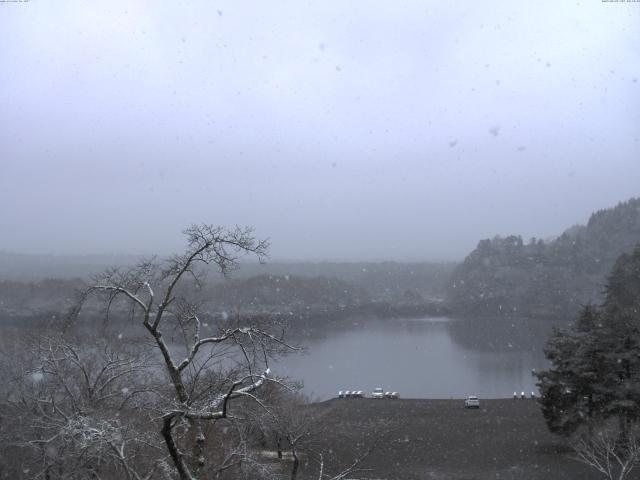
x=419, y=358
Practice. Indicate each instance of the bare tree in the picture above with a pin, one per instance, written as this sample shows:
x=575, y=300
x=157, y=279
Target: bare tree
x=64, y=409
x=605, y=453
x=349, y=469
x=177, y=395
x=290, y=427
x=160, y=295
x=298, y=432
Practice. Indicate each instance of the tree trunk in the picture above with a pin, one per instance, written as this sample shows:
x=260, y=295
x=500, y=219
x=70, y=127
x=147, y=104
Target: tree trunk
x=198, y=449
x=176, y=456
x=623, y=423
x=296, y=464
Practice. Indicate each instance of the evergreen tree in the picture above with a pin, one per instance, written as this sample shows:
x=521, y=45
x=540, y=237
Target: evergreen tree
x=621, y=341
x=568, y=388
x=595, y=365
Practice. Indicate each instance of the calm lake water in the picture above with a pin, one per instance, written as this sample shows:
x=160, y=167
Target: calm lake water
x=419, y=358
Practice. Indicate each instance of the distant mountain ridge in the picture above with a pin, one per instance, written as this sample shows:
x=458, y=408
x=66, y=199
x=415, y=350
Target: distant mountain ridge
x=505, y=276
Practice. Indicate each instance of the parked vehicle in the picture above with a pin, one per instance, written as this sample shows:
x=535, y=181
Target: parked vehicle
x=472, y=402
x=393, y=395
x=378, y=392
x=351, y=394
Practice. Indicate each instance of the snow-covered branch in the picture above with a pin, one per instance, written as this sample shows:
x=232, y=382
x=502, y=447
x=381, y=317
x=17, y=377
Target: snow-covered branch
x=605, y=453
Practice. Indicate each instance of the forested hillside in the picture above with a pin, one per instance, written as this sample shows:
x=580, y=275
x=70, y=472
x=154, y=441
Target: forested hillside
x=382, y=281
x=506, y=276
x=285, y=290
x=312, y=294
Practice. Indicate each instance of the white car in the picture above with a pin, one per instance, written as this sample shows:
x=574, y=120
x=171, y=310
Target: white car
x=393, y=395
x=472, y=402
x=378, y=392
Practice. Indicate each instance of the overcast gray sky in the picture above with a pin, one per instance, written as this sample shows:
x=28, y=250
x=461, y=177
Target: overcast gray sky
x=365, y=130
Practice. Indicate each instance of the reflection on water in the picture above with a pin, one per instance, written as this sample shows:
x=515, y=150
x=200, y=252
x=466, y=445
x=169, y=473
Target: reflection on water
x=417, y=358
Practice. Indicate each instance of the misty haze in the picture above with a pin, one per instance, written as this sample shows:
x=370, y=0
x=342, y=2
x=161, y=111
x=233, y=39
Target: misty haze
x=390, y=240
